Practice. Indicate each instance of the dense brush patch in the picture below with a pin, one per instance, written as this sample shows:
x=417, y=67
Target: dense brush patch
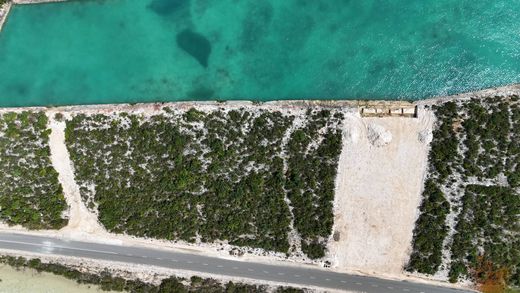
x=30, y=194
x=474, y=180
x=211, y=175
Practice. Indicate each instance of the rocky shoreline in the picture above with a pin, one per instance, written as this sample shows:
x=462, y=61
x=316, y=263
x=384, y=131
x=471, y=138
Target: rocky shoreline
x=4, y=9
x=376, y=105
x=36, y=1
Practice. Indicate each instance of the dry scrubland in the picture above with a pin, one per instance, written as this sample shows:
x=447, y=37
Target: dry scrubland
x=30, y=193
x=249, y=176
x=469, y=225
x=308, y=181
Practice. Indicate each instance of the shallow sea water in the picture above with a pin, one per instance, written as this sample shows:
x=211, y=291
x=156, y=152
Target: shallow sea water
x=101, y=51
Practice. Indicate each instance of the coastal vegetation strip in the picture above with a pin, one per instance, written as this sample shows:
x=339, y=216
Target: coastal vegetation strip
x=469, y=224
x=107, y=281
x=30, y=194
x=211, y=175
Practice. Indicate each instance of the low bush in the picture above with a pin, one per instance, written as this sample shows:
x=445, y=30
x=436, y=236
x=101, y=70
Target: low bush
x=474, y=175
x=208, y=176
x=30, y=194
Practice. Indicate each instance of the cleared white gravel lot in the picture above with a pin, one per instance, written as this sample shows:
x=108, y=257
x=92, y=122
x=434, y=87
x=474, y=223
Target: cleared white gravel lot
x=378, y=192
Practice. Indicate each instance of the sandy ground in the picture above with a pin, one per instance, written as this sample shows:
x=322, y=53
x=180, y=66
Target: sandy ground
x=27, y=280
x=81, y=221
x=379, y=184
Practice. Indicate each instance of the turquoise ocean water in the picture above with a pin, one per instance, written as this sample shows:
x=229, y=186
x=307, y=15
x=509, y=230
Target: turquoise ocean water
x=108, y=51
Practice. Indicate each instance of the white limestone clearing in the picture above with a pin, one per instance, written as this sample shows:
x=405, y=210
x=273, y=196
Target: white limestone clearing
x=81, y=221
x=378, y=192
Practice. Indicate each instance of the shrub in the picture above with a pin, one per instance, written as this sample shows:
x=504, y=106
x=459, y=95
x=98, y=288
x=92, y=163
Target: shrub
x=219, y=175
x=475, y=153
x=30, y=194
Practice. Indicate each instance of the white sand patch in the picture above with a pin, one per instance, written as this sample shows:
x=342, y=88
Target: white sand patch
x=81, y=221
x=426, y=136
x=377, y=135
x=378, y=192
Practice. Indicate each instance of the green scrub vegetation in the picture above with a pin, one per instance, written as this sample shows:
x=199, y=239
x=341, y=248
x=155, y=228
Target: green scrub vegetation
x=431, y=228
x=30, y=194
x=310, y=180
x=217, y=175
x=474, y=175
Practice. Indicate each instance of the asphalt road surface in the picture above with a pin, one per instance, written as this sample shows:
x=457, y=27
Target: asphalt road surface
x=198, y=263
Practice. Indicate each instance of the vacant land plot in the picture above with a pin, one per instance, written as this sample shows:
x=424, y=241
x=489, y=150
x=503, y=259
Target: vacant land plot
x=30, y=194
x=245, y=175
x=379, y=190
x=469, y=224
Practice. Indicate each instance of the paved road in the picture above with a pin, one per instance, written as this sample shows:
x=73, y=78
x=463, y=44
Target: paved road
x=198, y=263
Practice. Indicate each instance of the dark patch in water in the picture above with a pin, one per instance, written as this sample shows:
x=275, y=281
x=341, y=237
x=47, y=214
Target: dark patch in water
x=201, y=93
x=167, y=7
x=21, y=90
x=196, y=45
